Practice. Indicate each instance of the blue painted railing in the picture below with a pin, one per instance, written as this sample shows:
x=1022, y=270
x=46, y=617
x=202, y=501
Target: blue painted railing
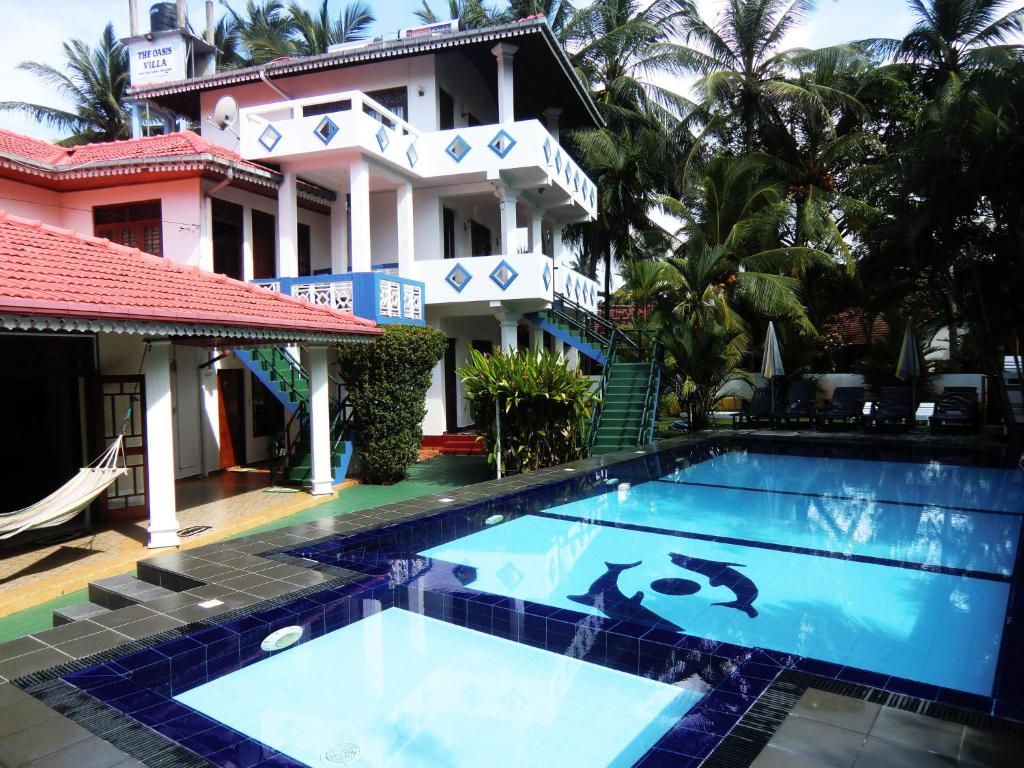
x=378, y=296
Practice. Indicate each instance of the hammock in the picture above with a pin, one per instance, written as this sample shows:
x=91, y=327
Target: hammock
x=71, y=498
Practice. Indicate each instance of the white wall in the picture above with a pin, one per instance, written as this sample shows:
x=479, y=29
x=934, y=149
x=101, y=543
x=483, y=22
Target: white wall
x=466, y=85
x=384, y=227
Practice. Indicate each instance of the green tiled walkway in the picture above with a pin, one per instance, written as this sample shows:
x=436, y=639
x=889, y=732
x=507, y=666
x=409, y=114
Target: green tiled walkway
x=438, y=474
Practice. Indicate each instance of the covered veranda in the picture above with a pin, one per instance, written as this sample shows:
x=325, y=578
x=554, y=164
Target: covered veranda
x=54, y=282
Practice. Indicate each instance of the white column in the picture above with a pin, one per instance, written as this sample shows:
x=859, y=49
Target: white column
x=163, y=513
x=572, y=357
x=320, y=421
x=509, y=323
x=248, y=270
x=287, y=227
x=504, y=53
x=536, y=338
x=537, y=231
x=339, y=236
x=551, y=118
x=507, y=199
x=556, y=243
x=359, y=176
x=406, y=230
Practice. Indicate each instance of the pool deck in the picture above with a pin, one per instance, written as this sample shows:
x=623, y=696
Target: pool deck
x=234, y=574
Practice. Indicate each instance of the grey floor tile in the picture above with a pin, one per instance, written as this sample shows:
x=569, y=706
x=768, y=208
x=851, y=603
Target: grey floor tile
x=773, y=757
x=981, y=749
x=271, y=589
x=122, y=616
x=149, y=626
x=23, y=714
x=39, y=740
x=831, y=708
x=914, y=730
x=94, y=643
x=90, y=753
x=67, y=632
x=828, y=744
x=19, y=647
x=879, y=753
x=32, y=662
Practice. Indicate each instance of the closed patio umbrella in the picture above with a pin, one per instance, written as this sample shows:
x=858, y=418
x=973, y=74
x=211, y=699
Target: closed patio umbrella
x=771, y=360
x=909, y=367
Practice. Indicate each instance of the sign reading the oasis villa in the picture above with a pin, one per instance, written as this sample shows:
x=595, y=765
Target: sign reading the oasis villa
x=161, y=60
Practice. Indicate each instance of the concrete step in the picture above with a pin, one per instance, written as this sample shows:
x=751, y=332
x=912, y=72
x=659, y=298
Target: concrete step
x=122, y=591
x=77, y=613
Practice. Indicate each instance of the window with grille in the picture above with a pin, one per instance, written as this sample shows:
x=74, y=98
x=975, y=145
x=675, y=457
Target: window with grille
x=136, y=225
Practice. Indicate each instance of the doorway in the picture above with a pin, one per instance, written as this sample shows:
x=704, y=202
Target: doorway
x=264, y=246
x=446, y=117
x=451, y=395
x=227, y=239
x=480, y=239
x=230, y=401
x=448, y=216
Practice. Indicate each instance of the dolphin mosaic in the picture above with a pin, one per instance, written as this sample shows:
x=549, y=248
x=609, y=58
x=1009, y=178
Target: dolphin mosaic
x=605, y=595
x=723, y=575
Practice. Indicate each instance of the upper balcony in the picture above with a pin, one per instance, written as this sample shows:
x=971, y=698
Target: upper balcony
x=307, y=134
x=378, y=296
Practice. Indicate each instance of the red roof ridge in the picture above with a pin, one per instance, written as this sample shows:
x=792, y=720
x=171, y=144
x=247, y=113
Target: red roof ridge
x=57, y=150
x=165, y=264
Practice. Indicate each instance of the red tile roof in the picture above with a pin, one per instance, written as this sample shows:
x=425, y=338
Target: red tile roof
x=55, y=272
x=849, y=324
x=180, y=144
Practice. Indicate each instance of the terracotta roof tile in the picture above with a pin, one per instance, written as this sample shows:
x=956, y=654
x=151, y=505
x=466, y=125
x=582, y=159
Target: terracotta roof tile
x=849, y=324
x=18, y=144
x=49, y=271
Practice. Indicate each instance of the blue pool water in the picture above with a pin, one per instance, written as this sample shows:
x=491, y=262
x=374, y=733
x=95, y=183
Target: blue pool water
x=400, y=689
x=897, y=621
x=925, y=534
x=944, y=485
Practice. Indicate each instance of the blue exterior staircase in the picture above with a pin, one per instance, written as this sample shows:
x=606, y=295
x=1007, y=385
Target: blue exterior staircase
x=631, y=380
x=288, y=381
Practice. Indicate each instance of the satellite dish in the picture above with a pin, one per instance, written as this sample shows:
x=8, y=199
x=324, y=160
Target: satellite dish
x=225, y=112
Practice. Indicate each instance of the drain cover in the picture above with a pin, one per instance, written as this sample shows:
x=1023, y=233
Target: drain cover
x=341, y=754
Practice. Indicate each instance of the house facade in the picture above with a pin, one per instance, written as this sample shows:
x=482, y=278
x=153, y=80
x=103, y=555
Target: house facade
x=421, y=180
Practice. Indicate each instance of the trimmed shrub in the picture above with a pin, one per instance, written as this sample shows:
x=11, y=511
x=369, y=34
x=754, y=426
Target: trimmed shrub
x=544, y=407
x=387, y=381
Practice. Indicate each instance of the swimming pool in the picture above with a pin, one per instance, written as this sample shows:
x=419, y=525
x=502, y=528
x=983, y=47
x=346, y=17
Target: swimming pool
x=624, y=616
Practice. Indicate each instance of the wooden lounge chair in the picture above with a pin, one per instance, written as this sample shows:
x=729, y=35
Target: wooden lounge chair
x=800, y=402
x=895, y=408
x=846, y=407
x=757, y=411
x=957, y=407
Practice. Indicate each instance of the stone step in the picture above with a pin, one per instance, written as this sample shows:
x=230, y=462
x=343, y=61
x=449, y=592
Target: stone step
x=122, y=591
x=77, y=613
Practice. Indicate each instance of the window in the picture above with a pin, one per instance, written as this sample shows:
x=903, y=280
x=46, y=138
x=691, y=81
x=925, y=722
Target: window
x=449, y=233
x=227, y=239
x=305, y=251
x=327, y=108
x=446, y=120
x=395, y=100
x=136, y=225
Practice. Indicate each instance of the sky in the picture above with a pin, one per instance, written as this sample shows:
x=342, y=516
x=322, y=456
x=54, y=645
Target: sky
x=36, y=30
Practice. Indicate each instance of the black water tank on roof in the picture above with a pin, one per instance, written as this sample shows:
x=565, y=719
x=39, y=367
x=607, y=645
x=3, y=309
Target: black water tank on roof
x=163, y=17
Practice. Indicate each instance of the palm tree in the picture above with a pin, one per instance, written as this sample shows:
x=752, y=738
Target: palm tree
x=264, y=30
x=953, y=38
x=472, y=13
x=729, y=256
x=94, y=81
x=314, y=33
x=744, y=72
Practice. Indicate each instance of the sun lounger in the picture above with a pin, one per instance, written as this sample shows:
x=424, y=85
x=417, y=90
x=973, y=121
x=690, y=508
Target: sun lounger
x=846, y=407
x=757, y=411
x=895, y=408
x=957, y=407
x=800, y=402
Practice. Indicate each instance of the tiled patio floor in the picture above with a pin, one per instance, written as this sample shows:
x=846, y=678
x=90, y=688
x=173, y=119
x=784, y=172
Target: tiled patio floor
x=36, y=579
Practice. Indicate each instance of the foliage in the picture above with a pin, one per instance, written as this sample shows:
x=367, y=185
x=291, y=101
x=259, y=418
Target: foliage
x=878, y=365
x=387, y=381
x=94, y=81
x=699, y=365
x=543, y=407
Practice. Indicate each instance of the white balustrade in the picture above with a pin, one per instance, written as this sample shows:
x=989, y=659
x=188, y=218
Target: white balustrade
x=334, y=294
x=390, y=299
x=413, y=308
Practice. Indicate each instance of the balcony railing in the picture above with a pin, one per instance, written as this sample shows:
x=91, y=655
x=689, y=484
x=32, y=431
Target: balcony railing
x=352, y=120
x=487, y=278
x=377, y=296
x=578, y=288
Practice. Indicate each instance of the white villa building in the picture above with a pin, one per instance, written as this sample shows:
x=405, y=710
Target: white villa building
x=435, y=162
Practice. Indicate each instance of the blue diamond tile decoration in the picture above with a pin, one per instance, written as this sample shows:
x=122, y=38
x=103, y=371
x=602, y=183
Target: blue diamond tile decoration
x=412, y=155
x=547, y=276
x=576, y=181
x=568, y=285
x=503, y=275
x=593, y=198
x=568, y=174
x=270, y=137
x=458, y=149
x=325, y=130
x=502, y=144
x=547, y=150
x=577, y=289
x=583, y=189
x=593, y=295
x=558, y=162
x=382, y=139
x=458, y=278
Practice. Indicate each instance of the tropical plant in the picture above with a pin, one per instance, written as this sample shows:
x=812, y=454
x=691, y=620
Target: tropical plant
x=539, y=404
x=263, y=30
x=314, y=33
x=878, y=364
x=94, y=81
x=387, y=381
x=699, y=366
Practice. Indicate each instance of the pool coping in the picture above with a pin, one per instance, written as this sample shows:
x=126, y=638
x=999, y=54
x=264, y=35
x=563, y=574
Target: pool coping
x=235, y=574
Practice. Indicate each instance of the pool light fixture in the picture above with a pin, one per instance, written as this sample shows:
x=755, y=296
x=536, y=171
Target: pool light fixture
x=494, y=519
x=281, y=639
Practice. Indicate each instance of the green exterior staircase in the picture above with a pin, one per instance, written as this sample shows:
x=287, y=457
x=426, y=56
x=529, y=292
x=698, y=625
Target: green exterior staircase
x=631, y=380
x=288, y=381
